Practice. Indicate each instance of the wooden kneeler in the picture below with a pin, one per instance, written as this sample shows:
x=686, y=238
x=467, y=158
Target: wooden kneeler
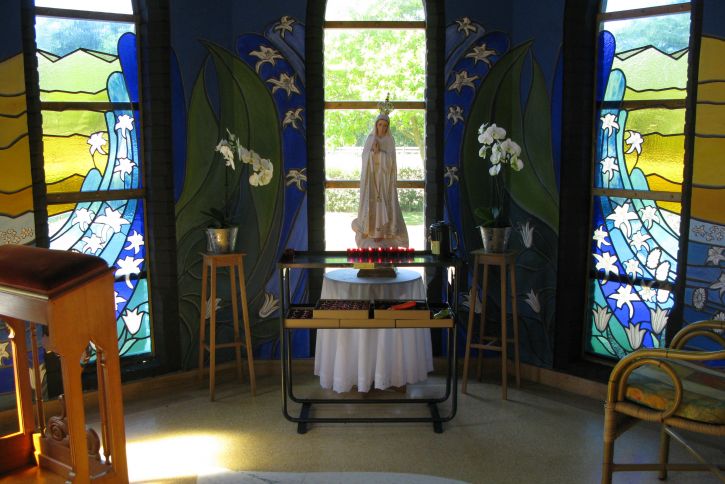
x=72, y=294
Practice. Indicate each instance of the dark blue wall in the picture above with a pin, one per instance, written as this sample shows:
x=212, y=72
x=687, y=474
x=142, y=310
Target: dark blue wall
x=713, y=18
x=221, y=22
x=10, y=36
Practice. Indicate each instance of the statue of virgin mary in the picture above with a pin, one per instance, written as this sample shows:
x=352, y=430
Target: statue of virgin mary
x=379, y=221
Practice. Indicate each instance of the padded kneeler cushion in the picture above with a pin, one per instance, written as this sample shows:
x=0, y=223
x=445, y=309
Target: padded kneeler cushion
x=45, y=271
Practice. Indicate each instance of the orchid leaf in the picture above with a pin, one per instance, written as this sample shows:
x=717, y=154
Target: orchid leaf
x=493, y=103
x=534, y=188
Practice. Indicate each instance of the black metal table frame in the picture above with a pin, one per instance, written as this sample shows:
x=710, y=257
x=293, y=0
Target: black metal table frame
x=310, y=260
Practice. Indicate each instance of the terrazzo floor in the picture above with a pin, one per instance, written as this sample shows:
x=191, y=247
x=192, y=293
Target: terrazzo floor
x=540, y=435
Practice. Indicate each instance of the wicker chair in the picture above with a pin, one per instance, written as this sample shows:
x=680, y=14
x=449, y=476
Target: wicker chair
x=671, y=386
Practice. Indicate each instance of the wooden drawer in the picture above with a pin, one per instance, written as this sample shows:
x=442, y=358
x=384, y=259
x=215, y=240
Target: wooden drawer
x=424, y=323
x=367, y=323
x=302, y=317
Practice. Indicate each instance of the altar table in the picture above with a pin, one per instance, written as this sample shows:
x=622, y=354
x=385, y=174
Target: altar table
x=365, y=357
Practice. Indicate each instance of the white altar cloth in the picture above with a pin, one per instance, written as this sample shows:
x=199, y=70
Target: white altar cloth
x=385, y=357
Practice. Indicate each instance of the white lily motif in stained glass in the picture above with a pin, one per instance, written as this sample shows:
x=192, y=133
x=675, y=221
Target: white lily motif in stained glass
x=286, y=83
x=649, y=216
x=451, y=175
x=659, y=319
x=527, y=234
x=83, y=217
x=284, y=25
x=715, y=256
x=42, y=372
x=117, y=299
x=609, y=123
x=631, y=267
x=481, y=53
x=600, y=236
x=634, y=141
x=97, y=143
x=532, y=299
x=602, y=315
x=720, y=284
x=127, y=267
x=269, y=306
x=625, y=296
x=455, y=114
x=210, y=307
x=462, y=80
x=297, y=178
x=112, y=220
x=609, y=166
x=622, y=217
x=606, y=262
x=135, y=242
x=266, y=55
x=647, y=293
x=133, y=319
x=4, y=354
x=291, y=118
x=124, y=167
x=720, y=316
x=124, y=123
x=93, y=243
x=465, y=26
x=635, y=335
x=639, y=240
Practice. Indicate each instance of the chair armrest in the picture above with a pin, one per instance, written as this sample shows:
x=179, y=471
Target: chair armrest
x=657, y=357
x=709, y=329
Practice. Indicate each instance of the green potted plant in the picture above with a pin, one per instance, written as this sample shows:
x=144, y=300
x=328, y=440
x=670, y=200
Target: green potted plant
x=221, y=233
x=505, y=157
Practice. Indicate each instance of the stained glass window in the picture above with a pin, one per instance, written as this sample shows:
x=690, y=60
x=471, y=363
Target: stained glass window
x=637, y=173
x=89, y=91
x=373, y=49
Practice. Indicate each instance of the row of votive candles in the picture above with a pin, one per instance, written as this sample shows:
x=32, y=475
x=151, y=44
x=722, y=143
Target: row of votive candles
x=380, y=251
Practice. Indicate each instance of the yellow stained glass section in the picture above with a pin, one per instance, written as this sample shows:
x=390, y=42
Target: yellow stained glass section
x=708, y=167
x=712, y=67
x=661, y=155
x=12, y=75
x=66, y=157
x=710, y=119
x=12, y=105
x=15, y=163
x=66, y=123
x=656, y=120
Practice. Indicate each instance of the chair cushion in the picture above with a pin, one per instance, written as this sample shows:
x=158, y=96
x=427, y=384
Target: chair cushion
x=703, y=398
x=45, y=271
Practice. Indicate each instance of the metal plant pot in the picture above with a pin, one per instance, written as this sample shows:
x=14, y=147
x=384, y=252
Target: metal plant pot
x=221, y=241
x=495, y=239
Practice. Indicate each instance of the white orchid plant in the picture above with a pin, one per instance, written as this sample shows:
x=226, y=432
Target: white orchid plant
x=232, y=151
x=502, y=152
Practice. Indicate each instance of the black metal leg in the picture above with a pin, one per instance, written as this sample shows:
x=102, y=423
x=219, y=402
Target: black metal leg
x=304, y=415
x=437, y=424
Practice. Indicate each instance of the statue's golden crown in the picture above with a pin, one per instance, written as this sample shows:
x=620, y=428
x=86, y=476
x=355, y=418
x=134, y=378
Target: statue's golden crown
x=386, y=106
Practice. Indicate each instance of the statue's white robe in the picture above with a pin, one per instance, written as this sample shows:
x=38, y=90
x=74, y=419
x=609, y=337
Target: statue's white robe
x=379, y=221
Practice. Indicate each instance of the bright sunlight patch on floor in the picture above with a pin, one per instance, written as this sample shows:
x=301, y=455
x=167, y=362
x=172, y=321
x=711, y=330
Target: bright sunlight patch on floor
x=175, y=456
